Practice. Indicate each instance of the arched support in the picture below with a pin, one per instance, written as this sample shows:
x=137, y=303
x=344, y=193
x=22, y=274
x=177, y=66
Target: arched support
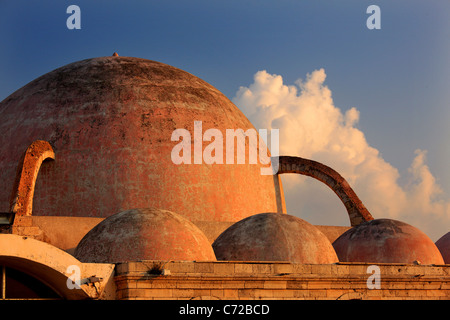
x=21, y=202
x=357, y=212
x=54, y=266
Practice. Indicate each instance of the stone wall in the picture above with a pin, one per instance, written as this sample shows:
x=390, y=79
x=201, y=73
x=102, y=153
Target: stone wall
x=278, y=280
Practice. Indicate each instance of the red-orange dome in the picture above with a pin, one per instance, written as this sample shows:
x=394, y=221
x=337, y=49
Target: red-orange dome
x=443, y=244
x=274, y=237
x=386, y=241
x=110, y=121
x=144, y=234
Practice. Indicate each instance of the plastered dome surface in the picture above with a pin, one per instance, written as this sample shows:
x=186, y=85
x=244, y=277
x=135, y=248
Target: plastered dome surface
x=274, y=237
x=144, y=234
x=443, y=244
x=110, y=121
x=386, y=241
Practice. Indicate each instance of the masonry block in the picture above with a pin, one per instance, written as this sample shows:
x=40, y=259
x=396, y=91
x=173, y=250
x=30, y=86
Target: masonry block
x=275, y=284
x=224, y=269
x=244, y=268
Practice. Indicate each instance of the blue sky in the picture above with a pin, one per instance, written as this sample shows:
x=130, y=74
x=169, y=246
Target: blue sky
x=397, y=77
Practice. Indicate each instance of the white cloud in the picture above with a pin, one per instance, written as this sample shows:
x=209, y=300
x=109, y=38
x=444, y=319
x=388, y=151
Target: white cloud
x=312, y=127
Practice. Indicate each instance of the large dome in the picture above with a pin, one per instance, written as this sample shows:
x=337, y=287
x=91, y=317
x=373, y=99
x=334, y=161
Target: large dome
x=144, y=234
x=386, y=241
x=274, y=237
x=110, y=121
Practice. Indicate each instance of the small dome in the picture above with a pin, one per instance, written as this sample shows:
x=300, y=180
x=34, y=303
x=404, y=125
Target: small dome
x=386, y=241
x=144, y=234
x=274, y=237
x=443, y=244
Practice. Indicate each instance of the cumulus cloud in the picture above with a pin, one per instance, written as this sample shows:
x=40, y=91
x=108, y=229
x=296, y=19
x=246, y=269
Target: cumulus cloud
x=311, y=126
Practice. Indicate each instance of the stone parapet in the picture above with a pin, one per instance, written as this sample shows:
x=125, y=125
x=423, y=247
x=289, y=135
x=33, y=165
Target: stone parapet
x=278, y=280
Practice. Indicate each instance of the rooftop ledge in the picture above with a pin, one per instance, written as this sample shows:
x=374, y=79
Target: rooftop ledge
x=274, y=268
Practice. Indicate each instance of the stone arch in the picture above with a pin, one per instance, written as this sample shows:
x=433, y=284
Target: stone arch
x=356, y=210
x=44, y=262
x=21, y=201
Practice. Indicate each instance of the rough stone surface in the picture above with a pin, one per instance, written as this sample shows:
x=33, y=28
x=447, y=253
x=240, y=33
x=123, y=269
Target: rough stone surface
x=110, y=121
x=443, y=244
x=274, y=237
x=140, y=234
x=386, y=241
